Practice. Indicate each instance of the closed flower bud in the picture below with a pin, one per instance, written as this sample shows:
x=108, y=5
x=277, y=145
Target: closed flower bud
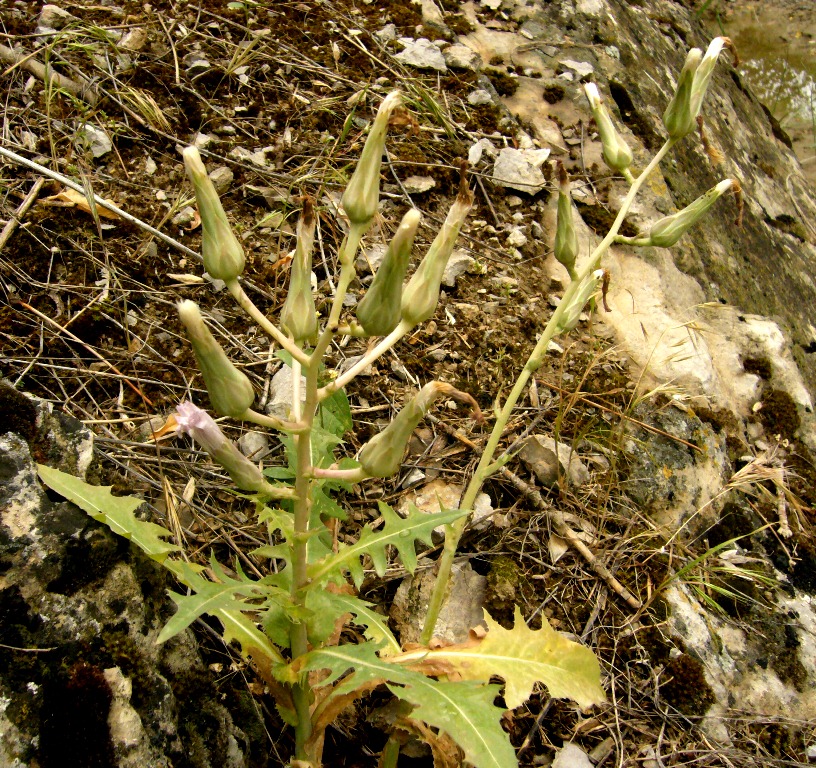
x=421, y=295
x=566, y=239
x=678, y=117
x=222, y=253
x=229, y=389
x=668, y=230
x=382, y=455
x=299, y=316
x=201, y=427
x=380, y=309
x=616, y=152
x=363, y=191
x=572, y=312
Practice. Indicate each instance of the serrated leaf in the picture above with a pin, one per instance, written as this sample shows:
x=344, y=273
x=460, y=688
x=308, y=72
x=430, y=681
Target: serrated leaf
x=334, y=414
x=397, y=531
x=114, y=511
x=376, y=626
x=464, y=710
x=523, y=657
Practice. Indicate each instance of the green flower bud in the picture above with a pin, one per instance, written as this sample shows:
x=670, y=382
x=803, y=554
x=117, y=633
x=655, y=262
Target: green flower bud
x=668, y=230
x=678, y=117
x=299, y=316
x=616, y=152
x=380, y=310
x=566, y=239
x=230, y=390
x=363, y=191
x=382, y=455
x=572, y=312
x=222, y=253
x=201, y=427
x=421, y=295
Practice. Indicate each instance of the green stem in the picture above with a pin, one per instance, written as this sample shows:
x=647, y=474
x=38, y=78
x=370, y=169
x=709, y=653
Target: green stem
x=239, y=294
x=453, y=532
x=390, y=754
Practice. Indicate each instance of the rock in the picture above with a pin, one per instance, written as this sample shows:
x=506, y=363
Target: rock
x=134, y=40
x=479, y=96
x=369, y=259
x=516, y=238
x=493, y=5
x=97, y=605
x=438, y=495
x=422, y=54
x=520, y=169
x=481, y=147
x=254, y=445
x=196, y=63
x=460, y=261
x=460, y=56
x=221, y=178
x=571, y=756
x=549, y=461
x=461, y=611
x=415, y=185
x=184, y=216
x=386, y=34
x=94, y=139
x=580, y=68
x=53, y=17
x=280, y=393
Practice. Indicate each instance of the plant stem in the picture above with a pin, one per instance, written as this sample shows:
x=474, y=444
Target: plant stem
x=453, y=532
x=249, y=307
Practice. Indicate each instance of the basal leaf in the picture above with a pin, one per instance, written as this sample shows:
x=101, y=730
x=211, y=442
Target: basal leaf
x=523, y=657
x=399, y=532
x=464, y=710
x=114, y=511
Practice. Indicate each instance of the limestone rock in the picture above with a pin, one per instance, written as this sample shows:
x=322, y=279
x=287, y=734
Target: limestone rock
x=520, y=169
x=422, y=54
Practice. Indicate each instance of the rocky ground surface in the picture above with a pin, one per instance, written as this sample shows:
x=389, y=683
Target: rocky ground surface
x=685, y=407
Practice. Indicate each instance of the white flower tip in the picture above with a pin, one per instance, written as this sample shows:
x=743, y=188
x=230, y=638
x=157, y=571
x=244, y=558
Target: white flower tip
x=391, y=101
x=598, y=274
x=411, y=219
x=594, y=97
x=725, y=185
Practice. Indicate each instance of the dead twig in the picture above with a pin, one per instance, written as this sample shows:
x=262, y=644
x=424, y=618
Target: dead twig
x=17, y=216
x=82, y=90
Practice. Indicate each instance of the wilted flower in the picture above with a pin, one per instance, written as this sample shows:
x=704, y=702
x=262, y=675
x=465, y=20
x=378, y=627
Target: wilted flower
x=222, y=253
x=299, y=316
x=421, y=295
x=379, y=310
x=230, y=391
x=200, y=426
x=616, y=152
x=382, y=455
x=363, y=191
x=667, y=231
x=566, y=239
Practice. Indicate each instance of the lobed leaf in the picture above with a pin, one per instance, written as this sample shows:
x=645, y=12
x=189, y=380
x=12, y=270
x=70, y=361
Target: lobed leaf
x=114, y=511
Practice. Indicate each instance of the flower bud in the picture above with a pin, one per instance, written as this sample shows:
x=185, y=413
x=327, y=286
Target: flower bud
x=299, y=316
x=379, y=311
x=566, y=239
x=668, y=230
x=678, y=117
x=572, y=312
x=363, y=191
x=222, y=253
x=230, y=390
x=382, y=455
x=616, y=152
x=421, y=295
x=201, y=427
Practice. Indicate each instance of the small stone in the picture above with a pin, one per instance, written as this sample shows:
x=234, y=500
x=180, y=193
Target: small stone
x=94, y=139
x=481, y=147
x=422, y=54
x=184, y=216
x=493, y=5
x=254, y=445
x=53, y=17
x=369, y=259
x=221, y=178
x=459, y=56
x=387, y=33
x=415, y=185
x=202, y=140
x=150, y=166
x=479, y=97
x=520, y=169
x=195, y=63
x=571, y=756
x=280, y=393
x=460, y=261
x=517, y=238
x=548, y=461
x=134, y=40
x=581, y=68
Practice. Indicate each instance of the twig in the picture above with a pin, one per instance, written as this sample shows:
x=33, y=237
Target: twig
x=84, y=91
x=21, y=211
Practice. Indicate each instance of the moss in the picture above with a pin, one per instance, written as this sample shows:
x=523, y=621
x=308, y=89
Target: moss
x=505, y=85
x=759, y=366
x=553, y=93
x=458, y=24
x=17, y=413
x=503, y=582
x=778, y=414
x=685, y=687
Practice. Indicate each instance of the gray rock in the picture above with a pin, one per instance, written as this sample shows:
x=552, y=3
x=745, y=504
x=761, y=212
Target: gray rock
x=460, y=56
x=520, y=169
x=280, y=393
x=460, y=261
x=479, y=97
x=221, y=178
x=387, y=33
x=422, y=54
x=415, y=185
x=94, y=139
x=580, y=68
x=254, y=444
x=549, y=461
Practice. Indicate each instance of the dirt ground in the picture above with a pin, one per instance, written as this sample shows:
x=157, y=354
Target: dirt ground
x=281, y=94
